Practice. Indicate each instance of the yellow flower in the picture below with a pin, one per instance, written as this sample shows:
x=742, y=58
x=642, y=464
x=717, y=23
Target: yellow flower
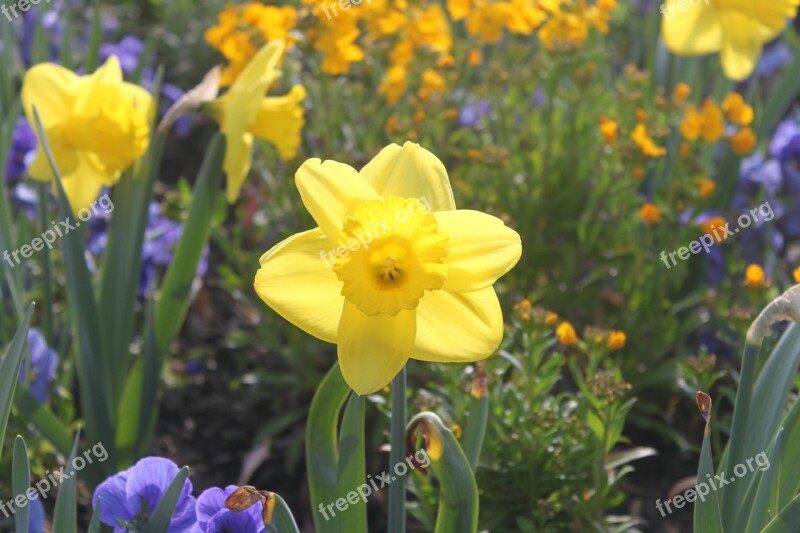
x=432, y=82
x=692, y=124
x=616, y=340
x=743, y=141
x=650, y=213
x=713, y=122
x=524, y=307
x=338, y=44
x=566, y=334
x=386, y=277
x=550, y=318
x=737, y=29
x=682, y=92
x=710, y=227
x=96, y=125
x=563, y=29
x=488, y=22
x=524, y=16
x=609, y=129
x=459, y=9
x=754, y=276
x=705, y=188
x=431, y=28
x=796, y=275
x=243, y=113
x=738, y=110
x=394, y=85
x=475, y=57
x=645, y=143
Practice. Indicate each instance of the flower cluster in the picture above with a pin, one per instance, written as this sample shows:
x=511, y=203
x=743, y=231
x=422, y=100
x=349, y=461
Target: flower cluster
x=708, y=123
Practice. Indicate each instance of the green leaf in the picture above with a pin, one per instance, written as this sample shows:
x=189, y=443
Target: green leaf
x=21, y=481
x=762, y=484
x=161, y=517
x=43, y=419
x=458, y=492
x=9, y=371
x=174, y=301
x=282, y=519
x=476, y=429
x=787, y=520
x=352, y=466
x=322, y=454
x=94, y=525
x=707, y=515
x=65, y=516
x=397, y=490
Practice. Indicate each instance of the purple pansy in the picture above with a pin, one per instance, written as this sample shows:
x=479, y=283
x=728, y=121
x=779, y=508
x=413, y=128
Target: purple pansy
x=128, y=50
x=128, y=499
x=214, y=517
x=23, y=149
x=472, y=115
x=38, y=370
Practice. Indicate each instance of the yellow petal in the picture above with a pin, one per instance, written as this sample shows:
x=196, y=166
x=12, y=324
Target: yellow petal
x=741, y=46
x=88, y=87
x=297, y=282
x=262, y=67
x=482, y=249
x=331, y=191
x=695, y=30
x=458, y=327
x=373, y=349
x=48, y=87
x=66, y=159
x=280, y=121
x=83, y=186
x=238, y=158
x=411, y=172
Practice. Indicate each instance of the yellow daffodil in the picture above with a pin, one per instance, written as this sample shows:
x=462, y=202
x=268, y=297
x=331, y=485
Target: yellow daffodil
x=244, y=113
x=737, y=29
x=393, y=271
x=97, y=126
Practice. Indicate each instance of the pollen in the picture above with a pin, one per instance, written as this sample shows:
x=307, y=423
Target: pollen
x=389, y=270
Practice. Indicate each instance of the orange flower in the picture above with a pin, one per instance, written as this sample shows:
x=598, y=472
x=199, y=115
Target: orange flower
x=616, y=340
x=754, y=276
x=682, y=92
x=737, y=110
x=709, y=227
x=639, y=172
x=475, y=57
x=705, y=188
x=609, y=129
x=650, y=213
x=743, y=141
x=645, y=143
x=566, y=334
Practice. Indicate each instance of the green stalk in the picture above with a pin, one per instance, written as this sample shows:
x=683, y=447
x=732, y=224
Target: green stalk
x=397, y=490
x=47, y=311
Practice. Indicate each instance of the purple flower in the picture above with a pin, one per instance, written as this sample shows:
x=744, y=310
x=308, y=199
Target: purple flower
x=26, y=199
x=23, y=149
x=36, y=523
x=774, y=57
x=214, y=517
x=38, y=371
x=128, y=499
x=128, y=50
x=473, y=114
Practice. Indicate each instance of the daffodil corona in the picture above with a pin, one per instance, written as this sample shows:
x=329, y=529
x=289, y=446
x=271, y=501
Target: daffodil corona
x=97, y=126
x=737, y=29
x=412, y=276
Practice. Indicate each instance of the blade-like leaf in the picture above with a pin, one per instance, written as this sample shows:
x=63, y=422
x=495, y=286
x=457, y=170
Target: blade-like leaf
x=65, y=516
x=707, y=515
x=43, y=419
x=282, y=519
x=20, y=482
x=352, y=467
x=161, y=517
x=9, y=371
x=322, y=454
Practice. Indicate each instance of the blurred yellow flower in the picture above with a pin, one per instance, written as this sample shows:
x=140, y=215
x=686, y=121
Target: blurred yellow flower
x=96, y=125
x=566, y=334
x=743, y=141
x=682, y=92
x=244, y=112
x=714, y=227
x=394, y=84
x=796, y=275
x=650, y=213
x=737, y=110
x=419, y=286
x=705, y=188
x=459, y=9
x=550, y=318
x=432, y=83
x=645, y=143
x=754, y=276
x=616, y=340
x=488, y=21
x=609, y=129
x=337, y=42
x=737, y=29
x=475, y=57
x=524, y=16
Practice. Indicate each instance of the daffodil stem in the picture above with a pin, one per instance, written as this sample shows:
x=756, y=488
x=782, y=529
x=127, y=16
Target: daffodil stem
x=397, y=490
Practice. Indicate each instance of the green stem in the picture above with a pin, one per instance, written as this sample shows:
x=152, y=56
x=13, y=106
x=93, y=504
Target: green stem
x=397, y=490
x=47, y=308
